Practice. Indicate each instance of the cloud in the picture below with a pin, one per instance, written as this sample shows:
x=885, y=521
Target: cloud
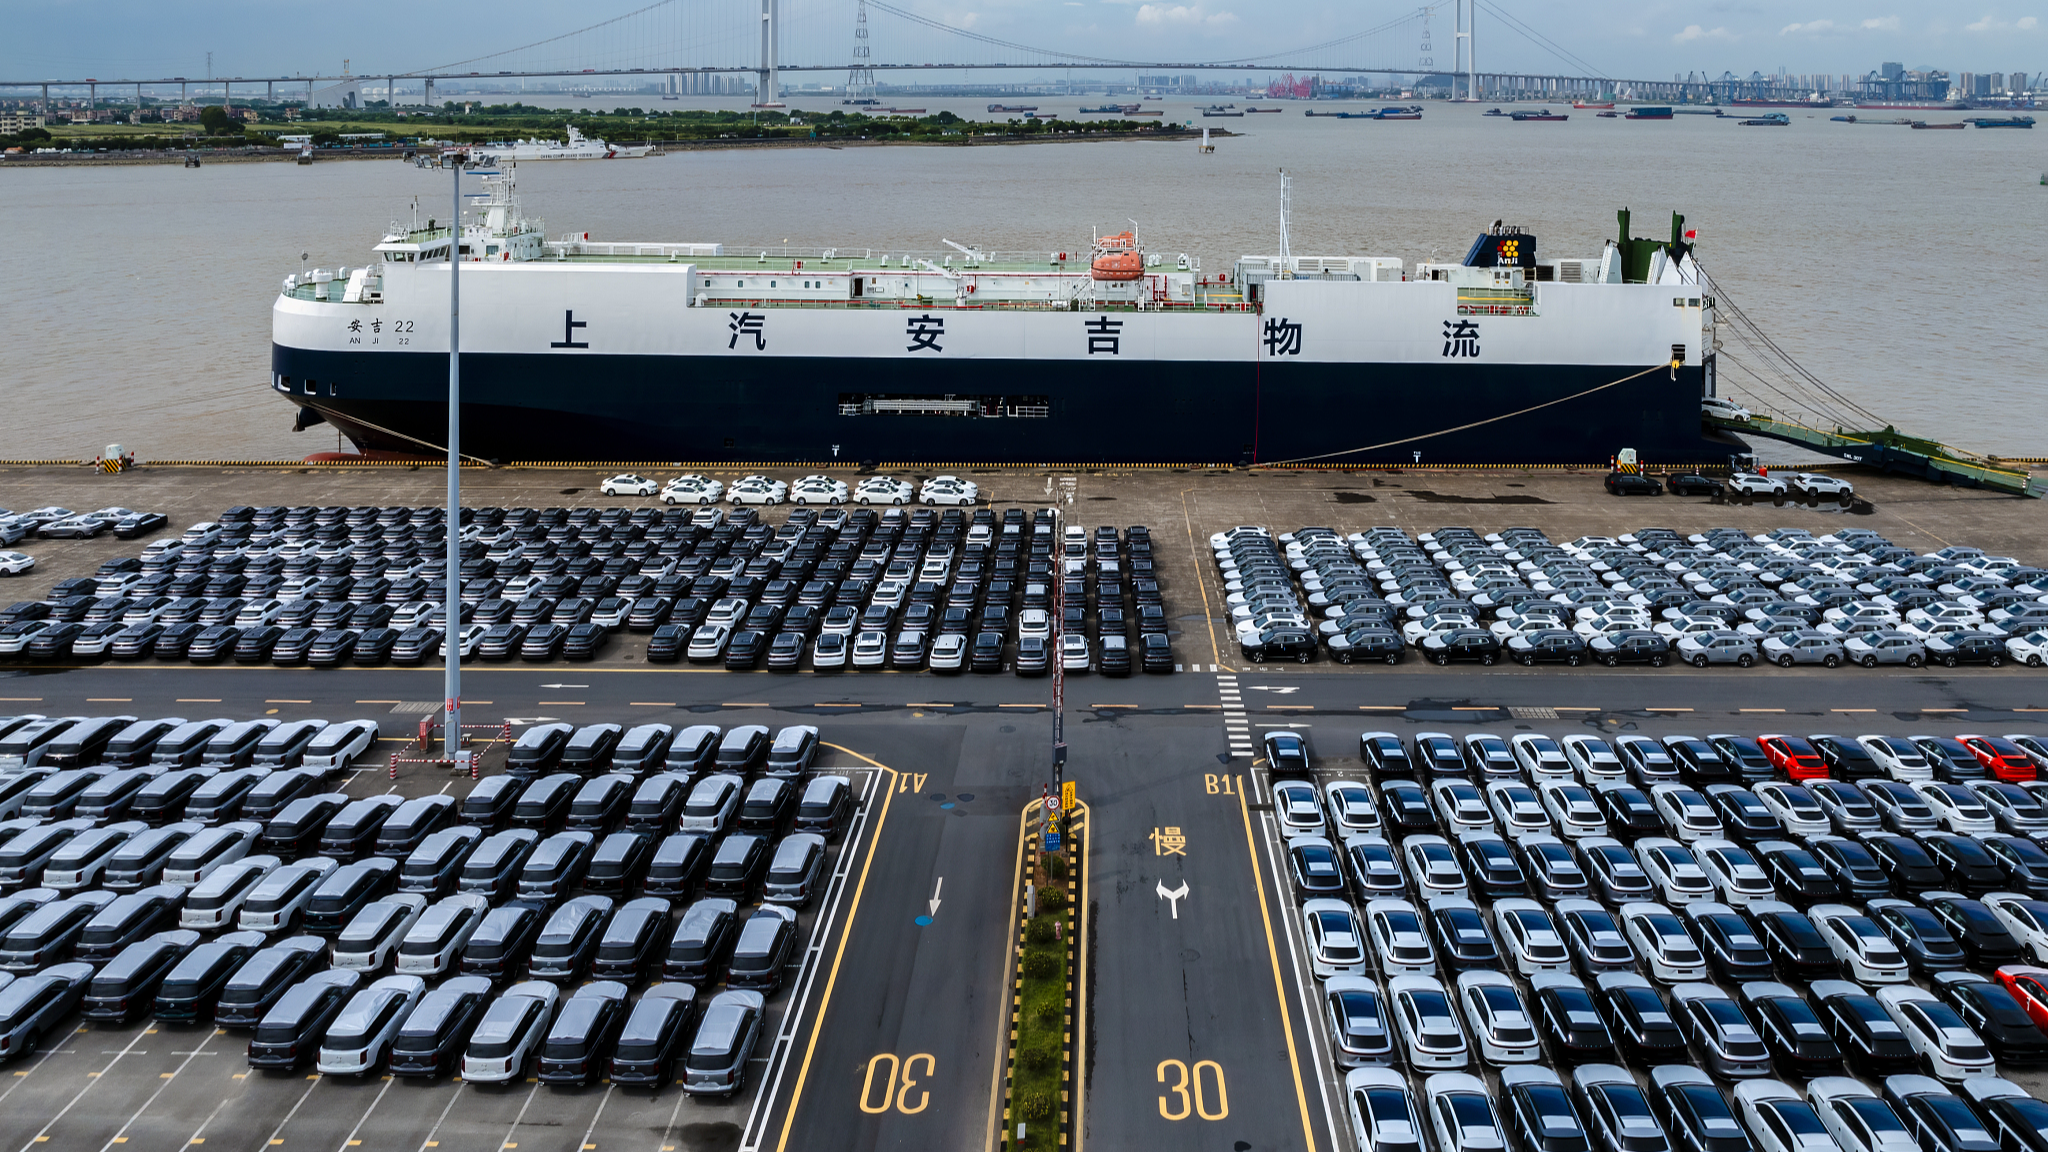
x=1991, y=23
x=1881, y=24
x=1183, y=15
x=1694, y=34
x=1830, y=28
x=1810, y=28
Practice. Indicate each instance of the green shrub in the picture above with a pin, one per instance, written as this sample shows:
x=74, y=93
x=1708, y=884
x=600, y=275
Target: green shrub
x=1039, y=931
x=1052, y=899
x=1039, y=965
x=1039, y=1056
x=1056, y=867
x=1036, y=1104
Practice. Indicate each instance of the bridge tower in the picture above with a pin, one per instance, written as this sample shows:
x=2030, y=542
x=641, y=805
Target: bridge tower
x=860, y=78
x=768, y=91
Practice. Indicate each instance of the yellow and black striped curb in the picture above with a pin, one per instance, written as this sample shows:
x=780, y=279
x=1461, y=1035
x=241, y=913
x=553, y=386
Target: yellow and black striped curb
x=1075, y=833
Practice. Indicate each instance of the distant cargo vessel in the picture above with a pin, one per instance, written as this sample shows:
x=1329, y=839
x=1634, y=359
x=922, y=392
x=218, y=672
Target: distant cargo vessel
x=582, y=349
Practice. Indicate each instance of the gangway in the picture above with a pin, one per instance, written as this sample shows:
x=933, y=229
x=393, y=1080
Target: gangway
x=1893, y=451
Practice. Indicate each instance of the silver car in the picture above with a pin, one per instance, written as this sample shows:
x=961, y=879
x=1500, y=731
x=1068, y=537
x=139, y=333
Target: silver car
x=1886, y=647
x=1804, y=646
x=716, y=1064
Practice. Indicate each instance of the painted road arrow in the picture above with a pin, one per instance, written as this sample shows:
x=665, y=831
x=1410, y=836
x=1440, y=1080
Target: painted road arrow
x=934, y=905
x=1174, y=895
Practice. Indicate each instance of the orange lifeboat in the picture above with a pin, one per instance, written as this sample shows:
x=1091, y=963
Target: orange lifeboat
x=1117, y=258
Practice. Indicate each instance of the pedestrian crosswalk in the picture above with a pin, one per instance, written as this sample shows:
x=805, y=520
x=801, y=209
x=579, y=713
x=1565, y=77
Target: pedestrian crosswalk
x=1237, y=727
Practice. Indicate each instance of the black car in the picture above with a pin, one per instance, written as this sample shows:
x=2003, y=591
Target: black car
x=1567, y=1017
x=1966, y=865
x=1743, y=816
x=374, y=645
x=1906, y=863
x=1989, y=1007
x=1640, y=1019
x=1846, y=759
x=1691, y=484
x=1745, y=754
x=1794, y=943
x=1852, y=867
x=139, y=524
x=174, y=641
x=1541, y=1116
x=1551, y=645
x=1315, y=868
x=1630, y=647
x=1279, y=644
x=703, y=937
x=1629, y=812
x=54, y=642
x=1790, y=1028
x=1632, y=484
x=292, y=645
x=584, y=640
x=1985, y=940
x=667, y=644
x=653, y=1037
x=1287, y=753
x=1405, y=808
x=578, y=1046
x=501, y=641
x=1371, y=642
x=1475, y=644
x=1867, y=1035
x=543, y=643
x=1460, y=938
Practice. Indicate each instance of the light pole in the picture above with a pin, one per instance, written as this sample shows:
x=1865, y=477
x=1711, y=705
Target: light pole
x=1054, y=821
x=451, y=733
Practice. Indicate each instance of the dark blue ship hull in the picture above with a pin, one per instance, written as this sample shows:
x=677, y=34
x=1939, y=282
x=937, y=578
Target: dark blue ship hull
x=1002, y=412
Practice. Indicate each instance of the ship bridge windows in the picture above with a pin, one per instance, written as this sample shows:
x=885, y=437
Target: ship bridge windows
x=951, y=404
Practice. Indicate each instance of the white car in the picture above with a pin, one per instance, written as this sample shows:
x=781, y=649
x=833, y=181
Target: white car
x=1298, y=808
x=2030, y=649
x=1960, y=809
x=1530, y=937
x=1724, y=409
x=1951, y=1049
x=1858, y=1118
x=950, y=491
x=16, y=563
x=883, y=490
x=1349, y=803
x=871, y=649
x=1593, y=759
x=1336, y=945
x=1674, y=870
x=1540, y=757
x=1899, y=757
x=1757, y=484
x=1074, y=653
x=1518, y=809
x=1461, y=1113
x=369, y=940
x=818, y=490
x=949, y=652
x=1433, y=865
x=1738, y=879
x=1498, y=1017
x=1571, y=805
x=338, y=745
x=1794, y=807
x=628, y=484
x=2026, y=918
x=1862, y=948
x=357, y=1040
x=1661, y=939
x=1781, y=1121
x=1461, y=806
x=1383, y=1113
x=1427, y=1023
x=277, y=901
x=1817, y=484
x=1360, y=1032
x=1686, y=813
x=692, y=489
x=216, y=901
x=467, y=639
x=1703, y=648
x=1398, y=938
x=434, y=940
x=757, y=490
x=510, y=1032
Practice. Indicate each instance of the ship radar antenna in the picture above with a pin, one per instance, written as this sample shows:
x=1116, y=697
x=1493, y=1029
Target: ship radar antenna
x=1286, y=211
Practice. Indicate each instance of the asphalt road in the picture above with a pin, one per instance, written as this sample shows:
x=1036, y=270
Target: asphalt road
x=953, y=761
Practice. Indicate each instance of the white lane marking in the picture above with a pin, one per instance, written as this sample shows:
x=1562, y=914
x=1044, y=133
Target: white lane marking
x=365, y=1117
x=120, y=1136
x=1311, y=1029
x=313, y=1082
x=38, y=1064
x=94, y=1079
x=602, y=1101
x=453, y=1096
x=509, y=1132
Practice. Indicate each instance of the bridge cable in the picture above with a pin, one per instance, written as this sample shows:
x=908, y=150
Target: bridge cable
x=540, y=43
x=1515, y=24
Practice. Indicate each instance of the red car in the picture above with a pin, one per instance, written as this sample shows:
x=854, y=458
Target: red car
x=2029, y=986
x=2002, y=758
x=1793, y=757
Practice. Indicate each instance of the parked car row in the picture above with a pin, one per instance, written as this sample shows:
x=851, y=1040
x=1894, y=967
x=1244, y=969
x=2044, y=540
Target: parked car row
x=691, y=488
x=1624, y=929
x=54, y=523
x=493, y=935
x=829, y=589
x=1784, y=597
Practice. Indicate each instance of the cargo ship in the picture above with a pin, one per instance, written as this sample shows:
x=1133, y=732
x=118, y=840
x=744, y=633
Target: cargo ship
x=579, y=349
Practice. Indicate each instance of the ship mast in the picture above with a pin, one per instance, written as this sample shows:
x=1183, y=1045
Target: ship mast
x=1286, y=212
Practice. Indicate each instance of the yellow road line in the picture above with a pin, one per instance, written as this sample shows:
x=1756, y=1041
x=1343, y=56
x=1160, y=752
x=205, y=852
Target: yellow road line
x=1251, y=848
x=1080, y=1078
x=1201, y=579
x=845, y=934
x=995, y=1083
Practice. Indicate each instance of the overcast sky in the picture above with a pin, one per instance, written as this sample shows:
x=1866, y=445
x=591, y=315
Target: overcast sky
x=1645, y=39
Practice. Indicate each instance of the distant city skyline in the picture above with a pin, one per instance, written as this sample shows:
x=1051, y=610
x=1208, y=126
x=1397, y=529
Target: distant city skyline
x=1622, y=38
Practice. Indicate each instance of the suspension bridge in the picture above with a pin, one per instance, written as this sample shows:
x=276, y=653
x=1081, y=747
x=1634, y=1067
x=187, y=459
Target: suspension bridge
x=683, y=47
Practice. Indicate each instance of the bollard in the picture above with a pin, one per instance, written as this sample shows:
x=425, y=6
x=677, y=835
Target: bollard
x=1030, y=901
x=394, y=765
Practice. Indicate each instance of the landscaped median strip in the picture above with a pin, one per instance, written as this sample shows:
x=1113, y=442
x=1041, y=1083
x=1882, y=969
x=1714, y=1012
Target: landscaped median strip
x=1043, y=1076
